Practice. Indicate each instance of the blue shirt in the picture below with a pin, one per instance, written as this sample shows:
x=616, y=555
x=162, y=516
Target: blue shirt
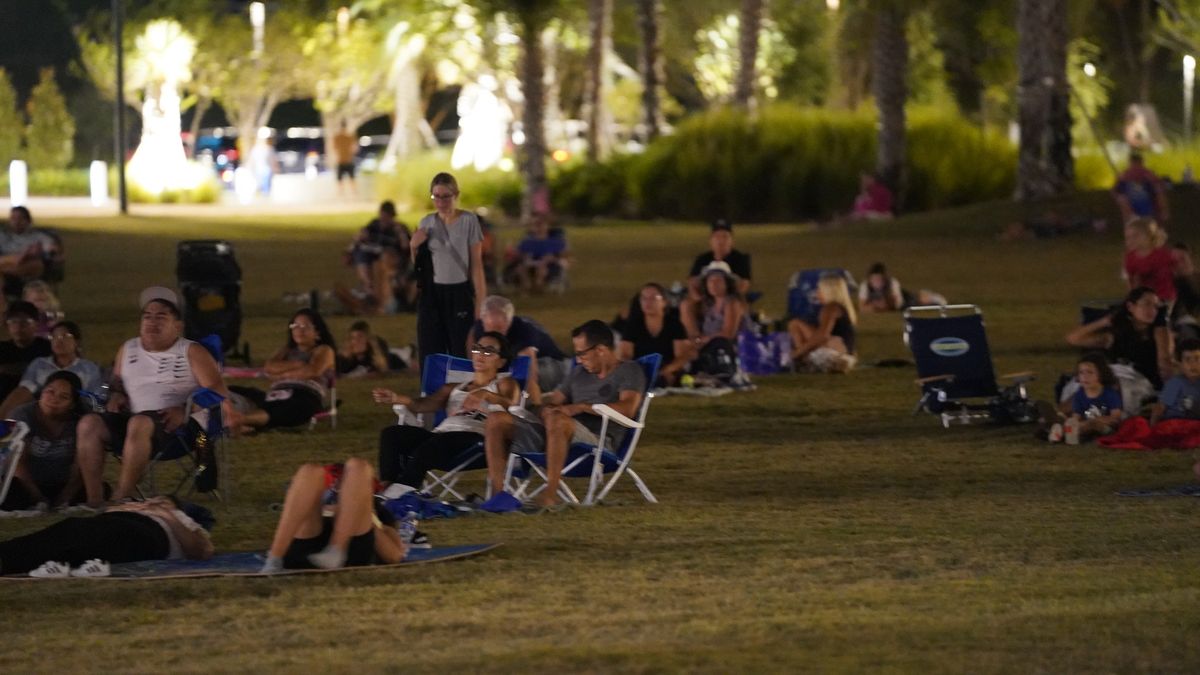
x=1181, y=397
x=1105, y=404
x=537, y=249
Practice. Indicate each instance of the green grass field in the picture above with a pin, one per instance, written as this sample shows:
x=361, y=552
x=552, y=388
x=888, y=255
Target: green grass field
x=812, y=525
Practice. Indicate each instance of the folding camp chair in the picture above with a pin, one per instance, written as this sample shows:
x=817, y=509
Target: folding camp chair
x=954, y=365
x=197, y=452
x=330, y=414
x=12, y=445
x=440, y=370
x=592, y=461
x=802, y=302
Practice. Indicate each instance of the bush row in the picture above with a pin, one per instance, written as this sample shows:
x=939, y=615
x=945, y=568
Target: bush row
x=77, y=183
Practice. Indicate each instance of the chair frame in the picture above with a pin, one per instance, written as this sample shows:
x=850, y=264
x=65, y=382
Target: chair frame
x=10, y=456
x=578, y=454
x=190, y=468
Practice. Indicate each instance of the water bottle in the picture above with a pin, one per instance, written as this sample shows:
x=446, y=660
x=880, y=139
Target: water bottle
x=407, y=527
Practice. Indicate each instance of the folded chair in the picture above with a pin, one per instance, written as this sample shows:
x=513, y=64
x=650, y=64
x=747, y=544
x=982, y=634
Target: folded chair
x=440, y=370
x=198, y=448
x=12, y=445
x=954, y=365
x=593, y=462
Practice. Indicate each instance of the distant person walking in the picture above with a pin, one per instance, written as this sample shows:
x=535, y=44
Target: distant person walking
x=447, y=251
x=345, y=148
x=263, y=161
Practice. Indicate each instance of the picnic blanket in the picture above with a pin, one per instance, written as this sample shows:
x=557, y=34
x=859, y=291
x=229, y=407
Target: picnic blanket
x=1136, y=433
x=248, y=563
x=1175, y=491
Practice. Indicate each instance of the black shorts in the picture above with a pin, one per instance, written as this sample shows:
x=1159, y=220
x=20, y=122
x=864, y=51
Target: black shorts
x=169, y=444
x=346, y=170
x=360, y=551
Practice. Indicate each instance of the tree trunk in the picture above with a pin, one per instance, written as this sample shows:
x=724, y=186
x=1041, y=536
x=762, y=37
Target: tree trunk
x=600, y=22
x=748, y=30
x=651, y=66
x=889, y=55
x=1045, y=166
x=533, y=152
x=407, y=116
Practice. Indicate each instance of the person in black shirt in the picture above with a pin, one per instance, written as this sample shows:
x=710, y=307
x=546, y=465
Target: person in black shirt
x=548, y=364
x=380, y=255
x=720, y=243
x=23, y=346
x=655, y=328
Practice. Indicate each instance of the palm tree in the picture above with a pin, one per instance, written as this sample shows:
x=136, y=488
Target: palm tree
x=889, y=56
x=1045, y=166
x=651, y=66
x=749, y=26
x=600, y=25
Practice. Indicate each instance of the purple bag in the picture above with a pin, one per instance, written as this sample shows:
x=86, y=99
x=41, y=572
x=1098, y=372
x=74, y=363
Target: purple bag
x=764, y=354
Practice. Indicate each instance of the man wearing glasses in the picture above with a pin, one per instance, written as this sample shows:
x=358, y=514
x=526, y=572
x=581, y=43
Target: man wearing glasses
x=22, y=347
x=153, y=375
x=566, y=414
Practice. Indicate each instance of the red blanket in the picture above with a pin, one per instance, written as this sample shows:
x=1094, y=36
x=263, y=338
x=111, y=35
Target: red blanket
x=1136, y=433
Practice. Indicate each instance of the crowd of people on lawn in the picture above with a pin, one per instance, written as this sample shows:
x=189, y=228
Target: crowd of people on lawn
x=76, y=416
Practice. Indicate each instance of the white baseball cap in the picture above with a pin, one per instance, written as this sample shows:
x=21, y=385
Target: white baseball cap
x=160, y=294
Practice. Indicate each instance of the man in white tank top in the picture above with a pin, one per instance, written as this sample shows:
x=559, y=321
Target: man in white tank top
x=153, y=375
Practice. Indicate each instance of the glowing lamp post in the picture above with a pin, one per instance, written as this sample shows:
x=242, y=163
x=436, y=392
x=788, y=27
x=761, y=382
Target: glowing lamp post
x=833, y=4
x=98, y=177
x=1189, y=82
x=18, y=182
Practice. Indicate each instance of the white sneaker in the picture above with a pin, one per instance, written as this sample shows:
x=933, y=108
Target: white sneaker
x=51, y=570
x=92, y=568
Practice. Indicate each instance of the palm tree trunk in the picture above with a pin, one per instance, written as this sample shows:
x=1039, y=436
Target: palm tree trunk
x=533, y=152
x=651, y=66
x=1045, y=166
x=748, y=30
x=889, y=55
x=600, y=21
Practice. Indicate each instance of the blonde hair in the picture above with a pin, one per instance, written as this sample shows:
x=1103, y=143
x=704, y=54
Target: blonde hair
x=1150, y=228
x=833, y=290
x=53, y=306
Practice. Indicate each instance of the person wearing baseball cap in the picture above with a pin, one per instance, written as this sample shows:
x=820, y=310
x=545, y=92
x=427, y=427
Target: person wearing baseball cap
x=153, y=375
x=720, y=243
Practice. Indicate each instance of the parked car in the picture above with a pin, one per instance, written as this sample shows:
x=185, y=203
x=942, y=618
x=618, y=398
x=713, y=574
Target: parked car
x=301, y=150
x=218, y=147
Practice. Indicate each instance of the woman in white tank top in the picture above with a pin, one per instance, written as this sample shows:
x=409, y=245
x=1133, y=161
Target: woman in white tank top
x=407, y=452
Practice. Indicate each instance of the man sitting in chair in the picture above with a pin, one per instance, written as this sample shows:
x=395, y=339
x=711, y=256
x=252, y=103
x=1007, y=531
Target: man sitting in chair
x=548, y=365
x=566, y=414
x=153, y=375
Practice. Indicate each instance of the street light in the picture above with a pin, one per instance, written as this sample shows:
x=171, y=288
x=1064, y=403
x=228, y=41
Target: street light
x=1189, y=82
x=258, y=18
x=833, y=4
x=1089, y=69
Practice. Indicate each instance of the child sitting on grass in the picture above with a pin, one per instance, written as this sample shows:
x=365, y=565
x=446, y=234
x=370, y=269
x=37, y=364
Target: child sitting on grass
x=1094, y=410
x=1180, y=398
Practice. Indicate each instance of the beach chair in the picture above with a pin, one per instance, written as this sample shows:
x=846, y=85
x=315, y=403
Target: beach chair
x=198, y=448
x=954, y=368
x=802, y=300
x=593, y=462
x=12, y=445
x=440, y=370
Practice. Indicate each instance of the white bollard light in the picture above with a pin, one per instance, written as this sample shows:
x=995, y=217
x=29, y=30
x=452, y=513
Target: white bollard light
x=98, y=175
x=18, y=182
x=243, y=185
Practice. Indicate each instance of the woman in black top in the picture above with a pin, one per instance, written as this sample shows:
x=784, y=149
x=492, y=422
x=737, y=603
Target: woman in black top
x=655, y=328
x=1136, y=334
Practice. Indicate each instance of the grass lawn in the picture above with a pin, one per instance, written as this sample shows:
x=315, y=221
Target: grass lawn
x=812, y=525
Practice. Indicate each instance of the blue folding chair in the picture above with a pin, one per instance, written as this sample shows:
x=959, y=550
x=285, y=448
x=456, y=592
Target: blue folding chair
x=592, y=461
x=12, y=445
x=954, y=368
x=197, y=452
x=802, y=302
x=440, y=370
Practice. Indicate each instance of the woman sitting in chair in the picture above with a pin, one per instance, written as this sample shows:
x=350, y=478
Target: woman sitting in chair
x=406, y=452
x=356, y=534
x=47, y=475
x=301, y=372
x=828, y=346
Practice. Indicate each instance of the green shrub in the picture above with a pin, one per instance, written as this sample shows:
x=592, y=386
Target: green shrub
x=207, y=192
x=54, y=183
x=587, y=189
x=953, y=162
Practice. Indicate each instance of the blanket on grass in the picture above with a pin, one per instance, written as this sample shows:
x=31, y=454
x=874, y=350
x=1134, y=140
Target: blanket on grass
x=247, y=564
x=1136, y=433
x=1176, y=491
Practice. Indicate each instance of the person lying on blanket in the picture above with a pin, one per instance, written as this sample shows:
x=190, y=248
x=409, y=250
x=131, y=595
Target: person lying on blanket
x=355, y=534
x=566, y=415
x=160, y=528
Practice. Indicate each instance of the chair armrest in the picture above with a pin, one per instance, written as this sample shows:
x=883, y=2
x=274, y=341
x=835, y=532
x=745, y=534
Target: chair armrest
x=404, y=415
x=206, y=398
x=604, y=410
x=935, y=378
x=1018, y=378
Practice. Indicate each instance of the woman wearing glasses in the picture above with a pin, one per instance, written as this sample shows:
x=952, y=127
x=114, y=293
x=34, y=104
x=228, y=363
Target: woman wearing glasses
x=407, y=452
x=66, y=347
x=454, y=285
x=301, y=373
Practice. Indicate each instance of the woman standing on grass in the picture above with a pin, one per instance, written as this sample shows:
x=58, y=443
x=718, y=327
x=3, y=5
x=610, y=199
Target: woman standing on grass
x=301, y=372
x=454, y=286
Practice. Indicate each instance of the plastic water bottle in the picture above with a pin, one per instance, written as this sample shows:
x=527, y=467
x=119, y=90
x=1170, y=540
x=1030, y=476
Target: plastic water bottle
x=407, y=527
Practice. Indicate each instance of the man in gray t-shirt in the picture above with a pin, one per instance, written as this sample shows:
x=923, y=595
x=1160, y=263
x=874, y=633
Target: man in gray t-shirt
x=566, y=414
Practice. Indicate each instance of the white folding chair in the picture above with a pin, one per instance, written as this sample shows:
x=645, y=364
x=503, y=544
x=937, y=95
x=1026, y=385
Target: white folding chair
x=12, y=445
